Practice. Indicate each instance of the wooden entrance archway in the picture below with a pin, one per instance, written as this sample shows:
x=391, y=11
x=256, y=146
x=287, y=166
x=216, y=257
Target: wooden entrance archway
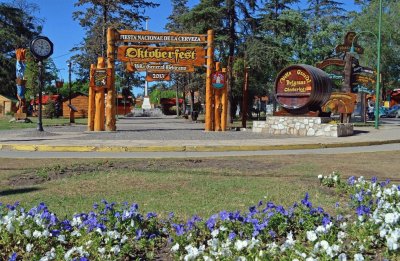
x=197, y=50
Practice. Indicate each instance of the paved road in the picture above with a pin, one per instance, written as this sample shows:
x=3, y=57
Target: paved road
x=171, y=137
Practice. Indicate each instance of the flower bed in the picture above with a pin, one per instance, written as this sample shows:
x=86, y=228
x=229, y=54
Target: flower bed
x=365, y=228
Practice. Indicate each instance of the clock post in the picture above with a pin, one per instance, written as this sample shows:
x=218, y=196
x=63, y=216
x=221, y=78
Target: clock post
x=41, y=48
x=39, y=124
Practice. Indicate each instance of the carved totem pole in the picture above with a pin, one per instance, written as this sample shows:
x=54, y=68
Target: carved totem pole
x=20, y=81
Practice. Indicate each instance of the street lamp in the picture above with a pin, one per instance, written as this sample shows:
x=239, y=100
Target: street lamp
x=378, y=62
x=71, y=109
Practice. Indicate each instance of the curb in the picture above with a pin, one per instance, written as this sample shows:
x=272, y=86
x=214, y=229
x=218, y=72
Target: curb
x=183, y=148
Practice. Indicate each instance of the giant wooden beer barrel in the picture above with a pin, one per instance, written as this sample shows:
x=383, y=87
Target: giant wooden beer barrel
x=302, y=88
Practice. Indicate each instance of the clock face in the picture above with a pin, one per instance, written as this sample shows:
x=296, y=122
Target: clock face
x=41, y=47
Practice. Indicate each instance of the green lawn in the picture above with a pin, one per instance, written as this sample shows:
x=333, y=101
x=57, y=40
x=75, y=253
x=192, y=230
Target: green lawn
x=184, y=186
x=5, y=123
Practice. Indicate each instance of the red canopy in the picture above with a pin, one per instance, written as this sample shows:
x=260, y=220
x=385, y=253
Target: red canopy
x=45, y=99
x=170, y=101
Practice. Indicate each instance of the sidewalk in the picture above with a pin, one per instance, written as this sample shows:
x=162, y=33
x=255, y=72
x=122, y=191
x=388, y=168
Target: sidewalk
x=170, y=134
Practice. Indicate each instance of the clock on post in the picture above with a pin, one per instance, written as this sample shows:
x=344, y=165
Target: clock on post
x=41, y=48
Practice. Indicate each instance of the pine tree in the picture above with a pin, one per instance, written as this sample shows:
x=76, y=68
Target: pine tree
x=274, y=45
x=179, y=8
x=98, y=15
x=327, y=21
x=18, y=27
x=367, y=22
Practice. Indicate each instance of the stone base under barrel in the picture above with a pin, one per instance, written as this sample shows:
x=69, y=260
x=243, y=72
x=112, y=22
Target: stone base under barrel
x=302, y=126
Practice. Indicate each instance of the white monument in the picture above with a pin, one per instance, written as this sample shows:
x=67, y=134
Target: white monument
x=146, y=100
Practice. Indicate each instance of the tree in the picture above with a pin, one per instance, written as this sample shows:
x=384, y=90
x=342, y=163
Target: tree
x=273, y=46
x=97, y=16
x=18, y=26
x=231, y=20
x=327, y=21
x=367, y=21
x=175, y=24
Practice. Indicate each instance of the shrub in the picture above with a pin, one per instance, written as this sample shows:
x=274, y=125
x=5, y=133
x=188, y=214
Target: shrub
x=49, y=110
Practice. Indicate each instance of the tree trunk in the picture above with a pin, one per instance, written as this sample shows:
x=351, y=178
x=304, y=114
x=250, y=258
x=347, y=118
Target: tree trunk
x=104, y=36
x=184, y=96
x=232, y=40
x=177, y=100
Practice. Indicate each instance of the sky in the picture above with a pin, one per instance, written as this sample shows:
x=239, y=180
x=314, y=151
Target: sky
x=66, y=33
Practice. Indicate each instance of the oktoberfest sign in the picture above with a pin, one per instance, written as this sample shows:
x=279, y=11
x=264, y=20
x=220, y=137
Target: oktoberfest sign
x=152, y=37
x=158, y=76
x=194, y=56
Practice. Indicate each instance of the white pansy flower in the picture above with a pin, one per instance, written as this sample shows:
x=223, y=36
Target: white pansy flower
x=76, y=233
x=113, y=234
x=320, y=176
x=358, y=257
x=98, y=230
x=226, y=252
x=289, y=242
x=193, y=252
x=392, y=243
x=27, y=233
x=240, y=244
x=28, y=248
x=343, y=225
x=342, y=257
x=222, y=228
x=61, y=238
x=227, y=243
x=215, y=233
x=311, y=236
x=101, y=250
x=254, y=242
x=115, y=249
x=124, y=239
x=329, y=251
x=341, y=235
x=175, y=247
x=391, y=218
x=321, y=230
x=69, y=253
x=272, y=247
x=335, y=248
x=37, y=234
x=76, y=221
x=45, y=233
x=10, y=228
x=324, y=244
